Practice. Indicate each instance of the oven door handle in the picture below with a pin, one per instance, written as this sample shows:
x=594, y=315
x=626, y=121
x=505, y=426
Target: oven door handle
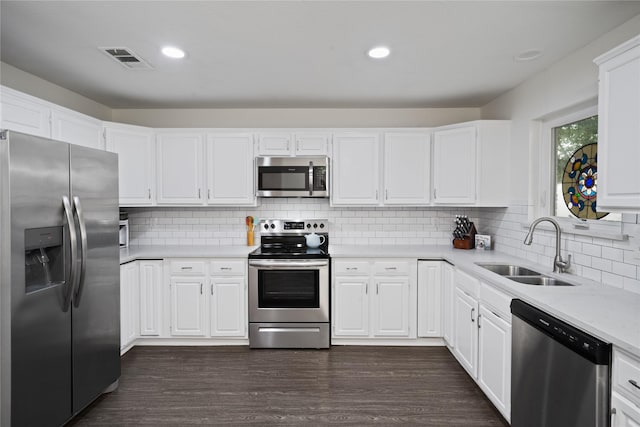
x=287, y=264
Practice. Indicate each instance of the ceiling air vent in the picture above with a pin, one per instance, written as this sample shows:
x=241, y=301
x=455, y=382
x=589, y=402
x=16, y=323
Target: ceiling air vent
x=126, y=57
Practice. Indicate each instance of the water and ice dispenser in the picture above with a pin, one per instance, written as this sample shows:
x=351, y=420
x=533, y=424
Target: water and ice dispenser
x=43, y=258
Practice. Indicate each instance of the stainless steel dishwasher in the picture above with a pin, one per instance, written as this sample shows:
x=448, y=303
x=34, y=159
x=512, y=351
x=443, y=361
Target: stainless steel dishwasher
x=560, y=375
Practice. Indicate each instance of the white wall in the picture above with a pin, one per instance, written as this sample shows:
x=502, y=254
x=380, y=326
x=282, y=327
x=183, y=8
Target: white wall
x=296, y=117
x=570, y=82
x=35, y=86
x=349, y=226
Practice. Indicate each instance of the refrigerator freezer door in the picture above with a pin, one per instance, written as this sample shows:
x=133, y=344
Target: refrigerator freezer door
x=40, y=328
x=96, y=300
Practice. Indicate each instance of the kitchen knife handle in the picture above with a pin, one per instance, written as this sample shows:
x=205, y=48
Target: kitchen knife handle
x=73, y=240
x=83, y=250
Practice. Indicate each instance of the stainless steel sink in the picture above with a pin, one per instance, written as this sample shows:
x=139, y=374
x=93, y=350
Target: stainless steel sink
x=540, y=281
x=509, y=270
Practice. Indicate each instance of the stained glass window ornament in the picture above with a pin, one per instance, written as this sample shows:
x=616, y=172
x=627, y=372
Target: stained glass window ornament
x=580, y=183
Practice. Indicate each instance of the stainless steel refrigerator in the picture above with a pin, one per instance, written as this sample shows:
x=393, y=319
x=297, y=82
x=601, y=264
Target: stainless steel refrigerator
x=60, y=278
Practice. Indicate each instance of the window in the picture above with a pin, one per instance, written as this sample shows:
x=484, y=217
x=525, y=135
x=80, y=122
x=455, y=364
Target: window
x=575, y=149
x=556, y=141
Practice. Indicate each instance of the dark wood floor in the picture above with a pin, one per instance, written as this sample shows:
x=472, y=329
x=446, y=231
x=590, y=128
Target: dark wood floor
x=180, y=386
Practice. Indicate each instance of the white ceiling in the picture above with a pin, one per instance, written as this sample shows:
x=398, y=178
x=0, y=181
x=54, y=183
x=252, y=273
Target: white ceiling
x=259, y=54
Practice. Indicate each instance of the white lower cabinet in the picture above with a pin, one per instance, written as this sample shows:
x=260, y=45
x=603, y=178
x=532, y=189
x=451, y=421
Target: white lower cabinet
x=465, y=332
x=448, y=289
x=373, y=298
x=623, y=412
x=150, y=297
x=208, y=298
x=129, y=306
x=188, y=306
x=494, y=359
x=430, y=298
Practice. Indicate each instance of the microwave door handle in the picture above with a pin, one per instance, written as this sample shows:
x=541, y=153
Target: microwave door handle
x=310, y=178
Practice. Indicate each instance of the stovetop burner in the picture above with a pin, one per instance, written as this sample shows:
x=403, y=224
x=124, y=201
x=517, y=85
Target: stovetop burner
x=285, y=239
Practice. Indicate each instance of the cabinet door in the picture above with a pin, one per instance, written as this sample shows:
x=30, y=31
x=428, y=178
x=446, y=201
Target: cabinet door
x=275, y=144
x=454, y=165
x=391, y=307
x=230, y=169
x=311, y=144
x=429, y=298
x=447, y=303
x=494, y=360
x=78, y=129
x=355, y=169
x=406, y=169
x=24, y=113
x=228, y=307
x=619, y=132
x=623, y=412
x=150, y=298
x=129, y=295
x=465, y=331
x=188, y=306
x=351, y=306
x=136, y=163
x=180, y=169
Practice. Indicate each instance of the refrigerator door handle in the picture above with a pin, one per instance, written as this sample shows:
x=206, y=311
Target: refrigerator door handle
x=73, y=240
x=83, y=250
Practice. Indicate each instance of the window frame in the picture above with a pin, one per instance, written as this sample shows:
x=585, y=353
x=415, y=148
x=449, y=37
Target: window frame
x=543, y=199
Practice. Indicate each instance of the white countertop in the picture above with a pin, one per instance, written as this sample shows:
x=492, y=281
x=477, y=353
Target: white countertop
x=608, y=313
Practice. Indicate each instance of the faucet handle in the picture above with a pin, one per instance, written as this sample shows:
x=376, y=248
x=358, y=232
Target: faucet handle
x=563, y=265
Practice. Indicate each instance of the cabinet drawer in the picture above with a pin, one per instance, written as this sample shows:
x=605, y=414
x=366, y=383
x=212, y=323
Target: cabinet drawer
x=228, y=267
x=353, y=268
x=626, y=376
x=496, y=300
x=391, y=268
x=467, y=283
x=187, y=267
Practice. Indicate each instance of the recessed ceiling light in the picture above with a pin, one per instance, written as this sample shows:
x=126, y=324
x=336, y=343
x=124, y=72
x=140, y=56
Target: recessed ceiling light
x=173, y=52
x=379, y=52
x=528, y=55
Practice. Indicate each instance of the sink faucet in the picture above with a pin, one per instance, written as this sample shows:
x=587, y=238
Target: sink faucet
x=559, y=265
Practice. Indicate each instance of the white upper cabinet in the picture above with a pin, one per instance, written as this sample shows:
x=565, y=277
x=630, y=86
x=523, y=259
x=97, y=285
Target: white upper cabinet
x=406, y=169
x=230, y=169
x=76, y=128
x=24, y=113
x=136, y=162
x=356, y=165
x=619, y=128
x=471, y=163
x=275, y=144
x=179, y=167
x=293, y=144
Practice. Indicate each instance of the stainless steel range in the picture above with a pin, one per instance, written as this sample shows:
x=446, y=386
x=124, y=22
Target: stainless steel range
x=289, y=285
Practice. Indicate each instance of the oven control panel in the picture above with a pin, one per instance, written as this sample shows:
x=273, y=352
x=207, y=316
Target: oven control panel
x=297, y=226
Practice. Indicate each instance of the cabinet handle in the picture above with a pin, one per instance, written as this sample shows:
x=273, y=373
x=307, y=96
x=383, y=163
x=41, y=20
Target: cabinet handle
x=352, y=268
x=479, y=316
x=298, y=145
x=149, y=193
x=366, y=288
x=377, y=286
x=472, y=311
x=198, y=193
x=376, y=194
x=434, y=193
x=200, y=288
x=390, y=268
x=225, y=268
x=208, y=193
x=212, y=289
x=186, y=268
x=386, y=194
x=288, y=146
x=634, y=383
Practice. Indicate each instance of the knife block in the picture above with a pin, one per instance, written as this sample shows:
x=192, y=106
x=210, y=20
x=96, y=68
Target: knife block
x=468, y=241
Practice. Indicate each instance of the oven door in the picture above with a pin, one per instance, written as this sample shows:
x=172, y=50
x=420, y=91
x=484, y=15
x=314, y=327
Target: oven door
x=285, y=290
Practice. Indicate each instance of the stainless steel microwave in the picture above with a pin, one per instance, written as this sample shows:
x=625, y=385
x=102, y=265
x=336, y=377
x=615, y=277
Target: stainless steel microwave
x=292, y=176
